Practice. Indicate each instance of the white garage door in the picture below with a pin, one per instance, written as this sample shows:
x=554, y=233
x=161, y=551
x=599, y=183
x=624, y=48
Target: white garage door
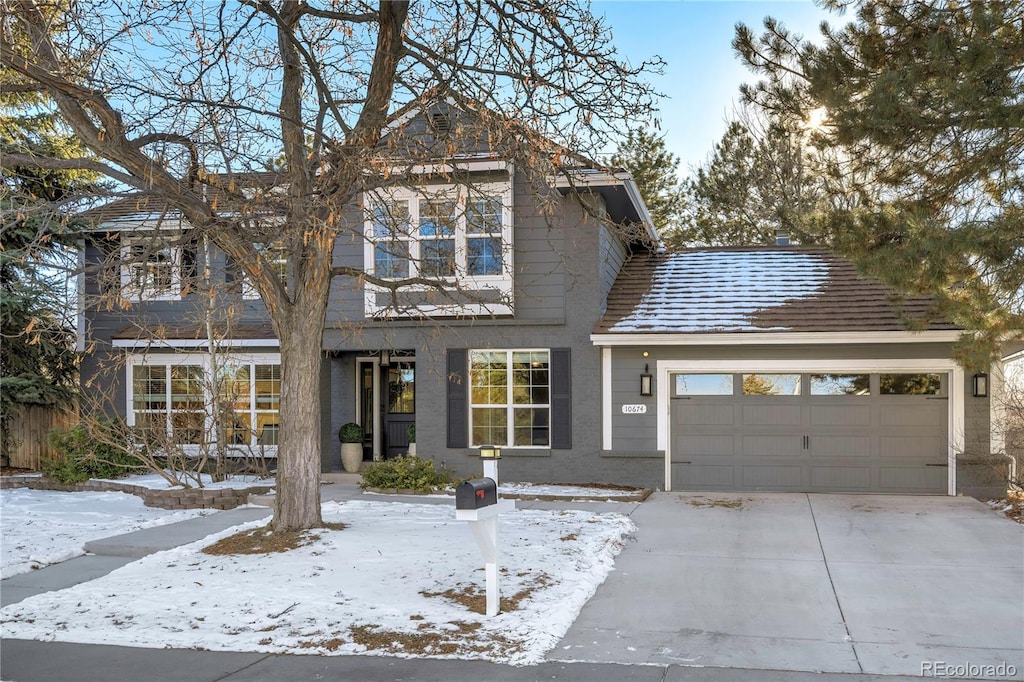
x=843, y=432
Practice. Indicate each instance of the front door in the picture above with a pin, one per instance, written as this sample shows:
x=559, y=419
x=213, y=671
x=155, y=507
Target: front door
x=399, y=381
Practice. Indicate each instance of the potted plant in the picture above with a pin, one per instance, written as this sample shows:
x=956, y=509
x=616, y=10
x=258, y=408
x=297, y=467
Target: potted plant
x=411, y=433
x=351, y=437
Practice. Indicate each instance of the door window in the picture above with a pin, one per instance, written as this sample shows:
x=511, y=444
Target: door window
x=402, y=388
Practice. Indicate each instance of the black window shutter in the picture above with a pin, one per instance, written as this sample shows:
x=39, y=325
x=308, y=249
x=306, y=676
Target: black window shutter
x=561, y=399
x=458, y=394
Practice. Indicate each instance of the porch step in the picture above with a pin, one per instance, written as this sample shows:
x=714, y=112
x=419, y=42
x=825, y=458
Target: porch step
x=341, y=477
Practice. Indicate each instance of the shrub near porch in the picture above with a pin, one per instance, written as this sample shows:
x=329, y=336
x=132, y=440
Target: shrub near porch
x=405, y=472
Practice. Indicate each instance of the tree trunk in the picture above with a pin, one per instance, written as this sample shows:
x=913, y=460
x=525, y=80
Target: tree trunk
x=297, y=502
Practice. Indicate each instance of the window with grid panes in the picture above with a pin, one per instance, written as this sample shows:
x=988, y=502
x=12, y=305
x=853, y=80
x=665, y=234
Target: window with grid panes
x=510, y=401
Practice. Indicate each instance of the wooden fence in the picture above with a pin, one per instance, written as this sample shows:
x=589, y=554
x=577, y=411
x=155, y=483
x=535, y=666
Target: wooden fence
x=28, y=434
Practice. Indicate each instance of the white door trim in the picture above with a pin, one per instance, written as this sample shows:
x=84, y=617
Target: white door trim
x=945, y=365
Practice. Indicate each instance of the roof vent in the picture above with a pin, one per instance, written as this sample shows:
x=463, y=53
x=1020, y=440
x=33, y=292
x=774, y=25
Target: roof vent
x=781, y=237
x=441, y=122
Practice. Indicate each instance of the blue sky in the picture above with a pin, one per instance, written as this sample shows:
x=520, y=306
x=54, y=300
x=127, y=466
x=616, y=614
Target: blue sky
x=702, y=74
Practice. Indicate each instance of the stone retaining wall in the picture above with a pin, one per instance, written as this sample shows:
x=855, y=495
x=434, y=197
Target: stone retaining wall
x=175, y=498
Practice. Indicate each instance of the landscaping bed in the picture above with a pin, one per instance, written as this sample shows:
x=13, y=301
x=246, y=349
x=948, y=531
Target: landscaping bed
x=210, y=497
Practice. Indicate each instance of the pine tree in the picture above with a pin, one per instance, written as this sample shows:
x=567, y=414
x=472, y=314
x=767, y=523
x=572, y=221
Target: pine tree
x=925, y=117
x=656, y=172
x=758, y=182
x=38, y=361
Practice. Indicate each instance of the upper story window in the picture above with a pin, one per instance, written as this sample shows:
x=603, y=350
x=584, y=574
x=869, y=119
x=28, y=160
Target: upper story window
x=276, y=257
x=151, y=269
x=457, y=234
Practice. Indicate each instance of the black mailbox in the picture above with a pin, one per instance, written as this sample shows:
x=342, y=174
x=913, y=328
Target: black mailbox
x=476, y=494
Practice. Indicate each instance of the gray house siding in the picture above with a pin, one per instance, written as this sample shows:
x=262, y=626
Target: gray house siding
x=613, y=254
x=106, y=318
x=563, y=262
x=634, y=436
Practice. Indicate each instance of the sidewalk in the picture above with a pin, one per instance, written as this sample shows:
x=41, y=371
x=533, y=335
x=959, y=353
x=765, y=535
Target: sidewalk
x=31, y=661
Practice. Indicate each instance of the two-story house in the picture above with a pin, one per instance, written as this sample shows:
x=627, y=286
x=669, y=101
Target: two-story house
x=500, y=354
x=560, y=333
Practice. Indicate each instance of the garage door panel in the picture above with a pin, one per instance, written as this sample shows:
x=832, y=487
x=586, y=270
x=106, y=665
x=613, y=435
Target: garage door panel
x=810, y=442
x=690, y=413
x=841, y=478
x=912, y=478
x=930, y=448
x=770, y=445
x=840, y=415
x=772, y=415
x=924, y=413
x=704, y=476
x=772, y=476
x=687, y=446
x=839, y=445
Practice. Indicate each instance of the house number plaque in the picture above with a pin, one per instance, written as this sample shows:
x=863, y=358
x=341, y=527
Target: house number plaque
x=634, y=409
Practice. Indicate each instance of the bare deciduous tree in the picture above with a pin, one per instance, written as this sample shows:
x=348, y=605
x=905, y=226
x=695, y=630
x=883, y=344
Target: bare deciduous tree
x=180, y=97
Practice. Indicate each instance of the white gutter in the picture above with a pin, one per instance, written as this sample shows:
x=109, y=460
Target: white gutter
x=771, y=338
x=193, y=343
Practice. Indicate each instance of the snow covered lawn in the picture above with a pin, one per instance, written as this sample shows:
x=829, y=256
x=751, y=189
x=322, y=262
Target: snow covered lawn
x=389, y=583
x=42, y=527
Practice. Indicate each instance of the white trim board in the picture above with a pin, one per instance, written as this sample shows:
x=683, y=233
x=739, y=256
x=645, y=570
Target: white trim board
x=771, y=338
x=944, y=365
x=194, y=343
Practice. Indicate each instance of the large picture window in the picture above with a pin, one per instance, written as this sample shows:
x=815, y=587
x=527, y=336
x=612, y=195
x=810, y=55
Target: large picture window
x=510, y=398
x=174, y=400
x=460, y=234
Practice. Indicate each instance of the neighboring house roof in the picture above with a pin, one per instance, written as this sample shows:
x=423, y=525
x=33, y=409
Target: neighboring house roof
x=756, y=289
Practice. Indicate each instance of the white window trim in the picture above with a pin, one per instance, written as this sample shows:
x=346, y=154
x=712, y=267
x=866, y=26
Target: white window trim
x=510, y=406
x=200, y=360
x=503, y=284
x=249, y=290
x=956, y=386
x=132, y=293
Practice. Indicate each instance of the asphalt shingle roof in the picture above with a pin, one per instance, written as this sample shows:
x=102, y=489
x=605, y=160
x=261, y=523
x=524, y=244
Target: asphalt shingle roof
x=756, y=289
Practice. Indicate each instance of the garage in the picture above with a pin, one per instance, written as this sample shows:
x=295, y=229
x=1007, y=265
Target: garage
x=810, y=432
x=784, y=369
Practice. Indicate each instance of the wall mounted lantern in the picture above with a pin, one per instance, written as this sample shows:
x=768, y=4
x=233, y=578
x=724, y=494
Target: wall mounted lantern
x=646, y=382
x=981, y=385
x=490, y=452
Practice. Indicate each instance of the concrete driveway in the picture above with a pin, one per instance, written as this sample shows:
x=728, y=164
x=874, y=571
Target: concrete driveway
x=835, y=583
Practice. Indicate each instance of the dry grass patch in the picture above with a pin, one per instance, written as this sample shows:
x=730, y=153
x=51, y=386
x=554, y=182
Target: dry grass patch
x=329, y=644
x=473, y=599
x=1011, y=506
x=465, y=638
x=265, y=541
x=373, y=637
x=569, y=538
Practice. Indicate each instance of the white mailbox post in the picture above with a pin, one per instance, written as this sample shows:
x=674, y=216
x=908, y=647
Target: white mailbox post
x=477, y=501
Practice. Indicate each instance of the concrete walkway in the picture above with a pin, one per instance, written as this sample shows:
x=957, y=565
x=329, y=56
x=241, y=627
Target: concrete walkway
x=717, y=587
x=838, y=583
